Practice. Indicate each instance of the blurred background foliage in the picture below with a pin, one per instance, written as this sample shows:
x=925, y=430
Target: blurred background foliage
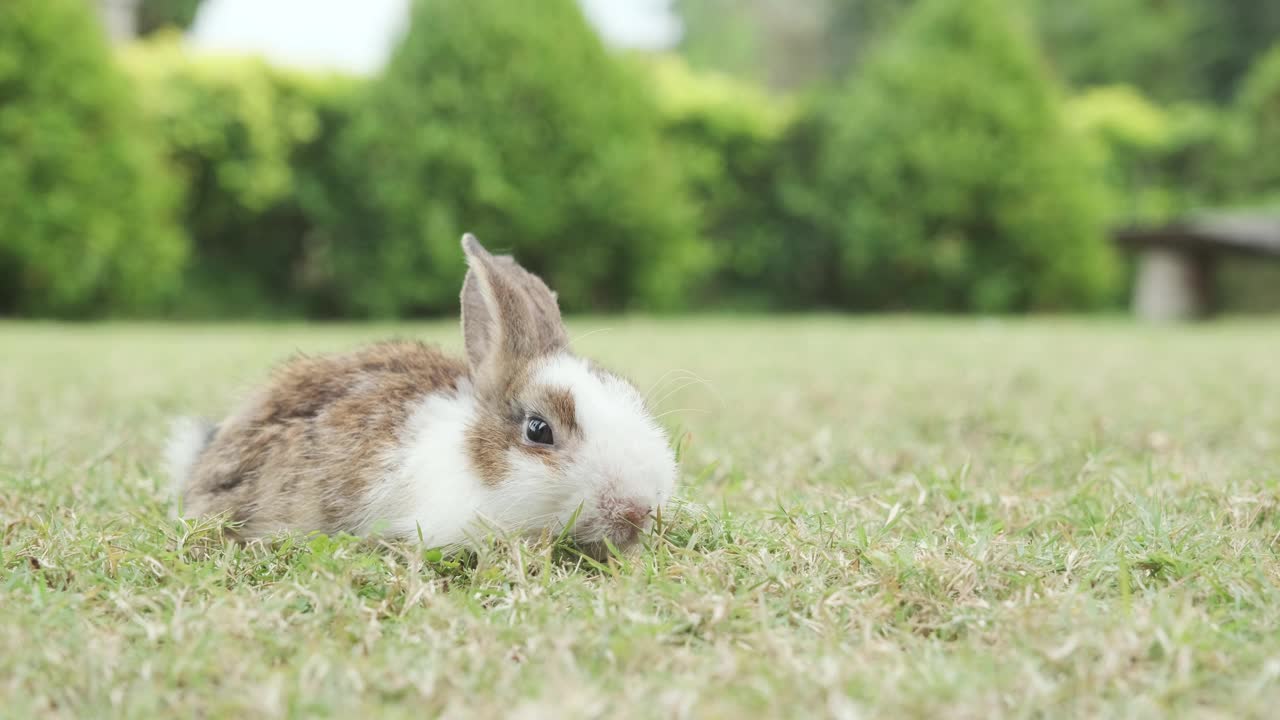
x=949, y=179
x=251, y=147
x=163, y=15
x=87, y=206
x=937, y=155
x=512, y=121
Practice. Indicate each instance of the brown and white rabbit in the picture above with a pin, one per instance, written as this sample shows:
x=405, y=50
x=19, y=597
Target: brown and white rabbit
x=403, y=440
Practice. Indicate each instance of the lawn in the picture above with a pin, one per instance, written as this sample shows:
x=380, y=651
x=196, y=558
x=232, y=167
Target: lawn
x=882, y=517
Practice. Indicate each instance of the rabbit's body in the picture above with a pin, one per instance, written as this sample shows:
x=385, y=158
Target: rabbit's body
x=317, y=447
x=402, y=439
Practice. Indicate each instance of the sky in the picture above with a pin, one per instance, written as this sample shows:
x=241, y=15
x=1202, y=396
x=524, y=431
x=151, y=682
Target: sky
x=358, y=36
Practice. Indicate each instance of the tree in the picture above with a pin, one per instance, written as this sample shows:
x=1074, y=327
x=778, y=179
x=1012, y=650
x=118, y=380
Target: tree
x=509, y=120
x=1170, y=49
x=155, y=15
x=86, y=213
x=248, y=141
x=777, y=43
x=853, y=28
x=716, y=37
x=1238, y=34
x=1259, y=112
x=786, y=44
x=735, y=145
x=950, y=179
x=1109, y=42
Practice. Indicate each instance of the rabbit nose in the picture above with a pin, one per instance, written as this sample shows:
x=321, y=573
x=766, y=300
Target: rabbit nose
x=634, y=512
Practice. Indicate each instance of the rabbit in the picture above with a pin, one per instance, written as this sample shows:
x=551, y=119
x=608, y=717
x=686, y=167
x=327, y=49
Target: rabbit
x=404, y=441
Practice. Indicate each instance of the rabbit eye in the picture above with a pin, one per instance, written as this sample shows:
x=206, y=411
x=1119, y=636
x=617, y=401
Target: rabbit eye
x=538, y=431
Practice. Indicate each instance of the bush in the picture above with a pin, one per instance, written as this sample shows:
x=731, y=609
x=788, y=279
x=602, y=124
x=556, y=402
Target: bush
x=1131, y=134
x=158, y=15
x=1258, y=109
x=1175, y=50
x=1112, y=42
x=252, y=145
x=1162, y=162
x=86, y=214
x=948, y=176
x=511, y=121
x=732, y=144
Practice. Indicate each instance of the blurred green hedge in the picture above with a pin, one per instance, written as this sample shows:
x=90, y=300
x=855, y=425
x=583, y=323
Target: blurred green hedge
x=735, y=145
x=157, y=15
x=509, y=120
x=1166, y=161
x=950, y=179
x=1161, y=161
x=252, y=145
x=946, y=173
x=86, y=209
x=1258, y=109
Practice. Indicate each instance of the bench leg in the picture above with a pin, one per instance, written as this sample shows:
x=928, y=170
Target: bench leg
x=1172, y=285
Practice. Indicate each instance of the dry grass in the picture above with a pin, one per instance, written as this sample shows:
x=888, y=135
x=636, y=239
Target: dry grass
x=884, y=518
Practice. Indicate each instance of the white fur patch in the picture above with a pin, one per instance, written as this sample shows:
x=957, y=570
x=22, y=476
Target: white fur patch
x=187, y=438
x=432, y=488
x=624, y=455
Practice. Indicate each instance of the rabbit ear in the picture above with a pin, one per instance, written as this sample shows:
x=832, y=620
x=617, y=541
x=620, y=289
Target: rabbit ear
x=509, y=316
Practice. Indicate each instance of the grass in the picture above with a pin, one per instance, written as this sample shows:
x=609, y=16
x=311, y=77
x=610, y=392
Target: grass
x=884, y=517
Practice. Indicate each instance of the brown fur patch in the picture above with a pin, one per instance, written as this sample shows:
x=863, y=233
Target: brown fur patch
x=494, y=432
x=563, y=410
x=489, y=439
x=304, y=451
x=500, y=427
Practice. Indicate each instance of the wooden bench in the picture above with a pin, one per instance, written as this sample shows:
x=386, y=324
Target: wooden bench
x=1176, y=261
